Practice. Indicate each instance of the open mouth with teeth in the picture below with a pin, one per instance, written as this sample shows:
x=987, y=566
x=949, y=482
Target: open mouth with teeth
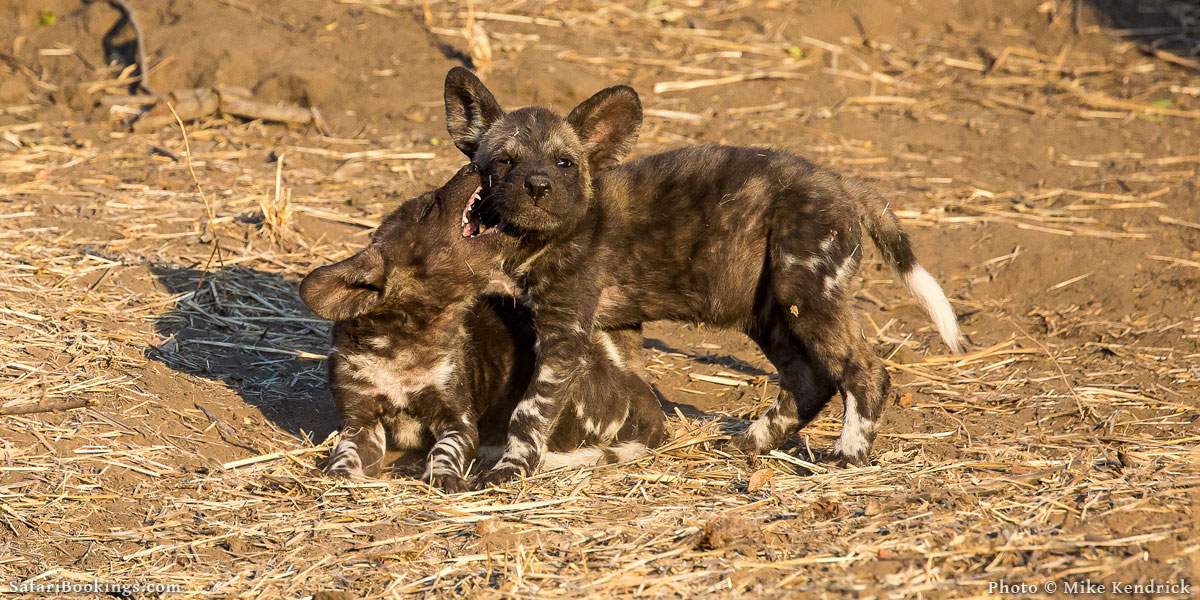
x=480, y=217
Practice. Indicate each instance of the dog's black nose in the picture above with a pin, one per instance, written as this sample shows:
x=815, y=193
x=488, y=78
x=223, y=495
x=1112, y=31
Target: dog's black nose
x=537, y=185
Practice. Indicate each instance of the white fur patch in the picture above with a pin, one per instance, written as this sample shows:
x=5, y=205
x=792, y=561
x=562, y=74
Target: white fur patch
x=838, y=279
x=591, y=455
x=547, y=375
x=760, y=431
x=614, y=427
x=378, y=437
x=395, y=378
x=811, y=263
x=610, y=349
x=814, y=262
x=405, y=433
x=605, y=431
x=591, y=427
x=855, y=440
x=929, y=294
x=515, y=450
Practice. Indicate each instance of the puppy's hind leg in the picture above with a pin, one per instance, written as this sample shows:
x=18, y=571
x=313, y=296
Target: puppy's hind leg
x=618, y=417
x=803, y=392
x=813, y=288
x=644, y=421
x=645, y=425
x=640, y=429
x=846, y=357
x=865, y=393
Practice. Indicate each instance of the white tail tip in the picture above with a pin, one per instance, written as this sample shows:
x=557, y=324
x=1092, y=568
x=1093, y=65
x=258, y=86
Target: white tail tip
x=926, y=290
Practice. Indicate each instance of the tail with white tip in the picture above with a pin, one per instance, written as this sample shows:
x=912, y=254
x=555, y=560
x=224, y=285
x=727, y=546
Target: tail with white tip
x=929, y=294
x=884, y=228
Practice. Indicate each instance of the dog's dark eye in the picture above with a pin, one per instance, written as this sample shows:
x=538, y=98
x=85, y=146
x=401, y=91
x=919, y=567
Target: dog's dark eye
x=565, y=163
x=504, y=160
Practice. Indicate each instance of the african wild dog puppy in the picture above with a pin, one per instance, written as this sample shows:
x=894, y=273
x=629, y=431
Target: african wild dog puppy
x=422, y=361
x=750, y=238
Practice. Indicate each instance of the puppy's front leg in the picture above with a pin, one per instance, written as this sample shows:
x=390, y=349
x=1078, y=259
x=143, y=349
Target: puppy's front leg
x=532, y=420
x=360, y=451
x=454, y=450
x=562, y=352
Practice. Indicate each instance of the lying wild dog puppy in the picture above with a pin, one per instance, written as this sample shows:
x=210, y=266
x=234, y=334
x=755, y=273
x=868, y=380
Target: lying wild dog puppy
x=750, y=238
x=421, y=360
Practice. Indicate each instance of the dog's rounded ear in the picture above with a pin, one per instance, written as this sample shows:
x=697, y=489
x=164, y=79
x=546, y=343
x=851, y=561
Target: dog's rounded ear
x=470, y=109
x=346, y=289
x=608, y=125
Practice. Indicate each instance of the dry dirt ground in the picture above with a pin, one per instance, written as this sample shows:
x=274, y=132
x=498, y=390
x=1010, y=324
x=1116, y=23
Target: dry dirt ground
x=1045, y=162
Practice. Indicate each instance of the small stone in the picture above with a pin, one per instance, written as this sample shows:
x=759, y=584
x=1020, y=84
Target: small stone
x=758, y=479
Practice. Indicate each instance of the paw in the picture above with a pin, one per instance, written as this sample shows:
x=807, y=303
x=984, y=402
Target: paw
x=343, y=471
x=746, y=444
x=851, y=459
x=852, y=450
x=451, y=483
x=498, y=476
x=344, y=462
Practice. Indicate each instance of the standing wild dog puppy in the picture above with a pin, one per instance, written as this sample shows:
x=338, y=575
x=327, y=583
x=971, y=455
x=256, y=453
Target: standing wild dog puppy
x=421, y=360
x=751, y=238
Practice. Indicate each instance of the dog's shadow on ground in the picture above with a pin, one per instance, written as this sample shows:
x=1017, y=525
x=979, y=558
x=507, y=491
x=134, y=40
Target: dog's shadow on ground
x=728, y=425
x=795, y=444
x=248, y=329
x=723, y=360
x=1152, y=27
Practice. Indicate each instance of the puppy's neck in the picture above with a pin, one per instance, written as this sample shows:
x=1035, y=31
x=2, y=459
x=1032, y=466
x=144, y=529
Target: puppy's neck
x=539, y=256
